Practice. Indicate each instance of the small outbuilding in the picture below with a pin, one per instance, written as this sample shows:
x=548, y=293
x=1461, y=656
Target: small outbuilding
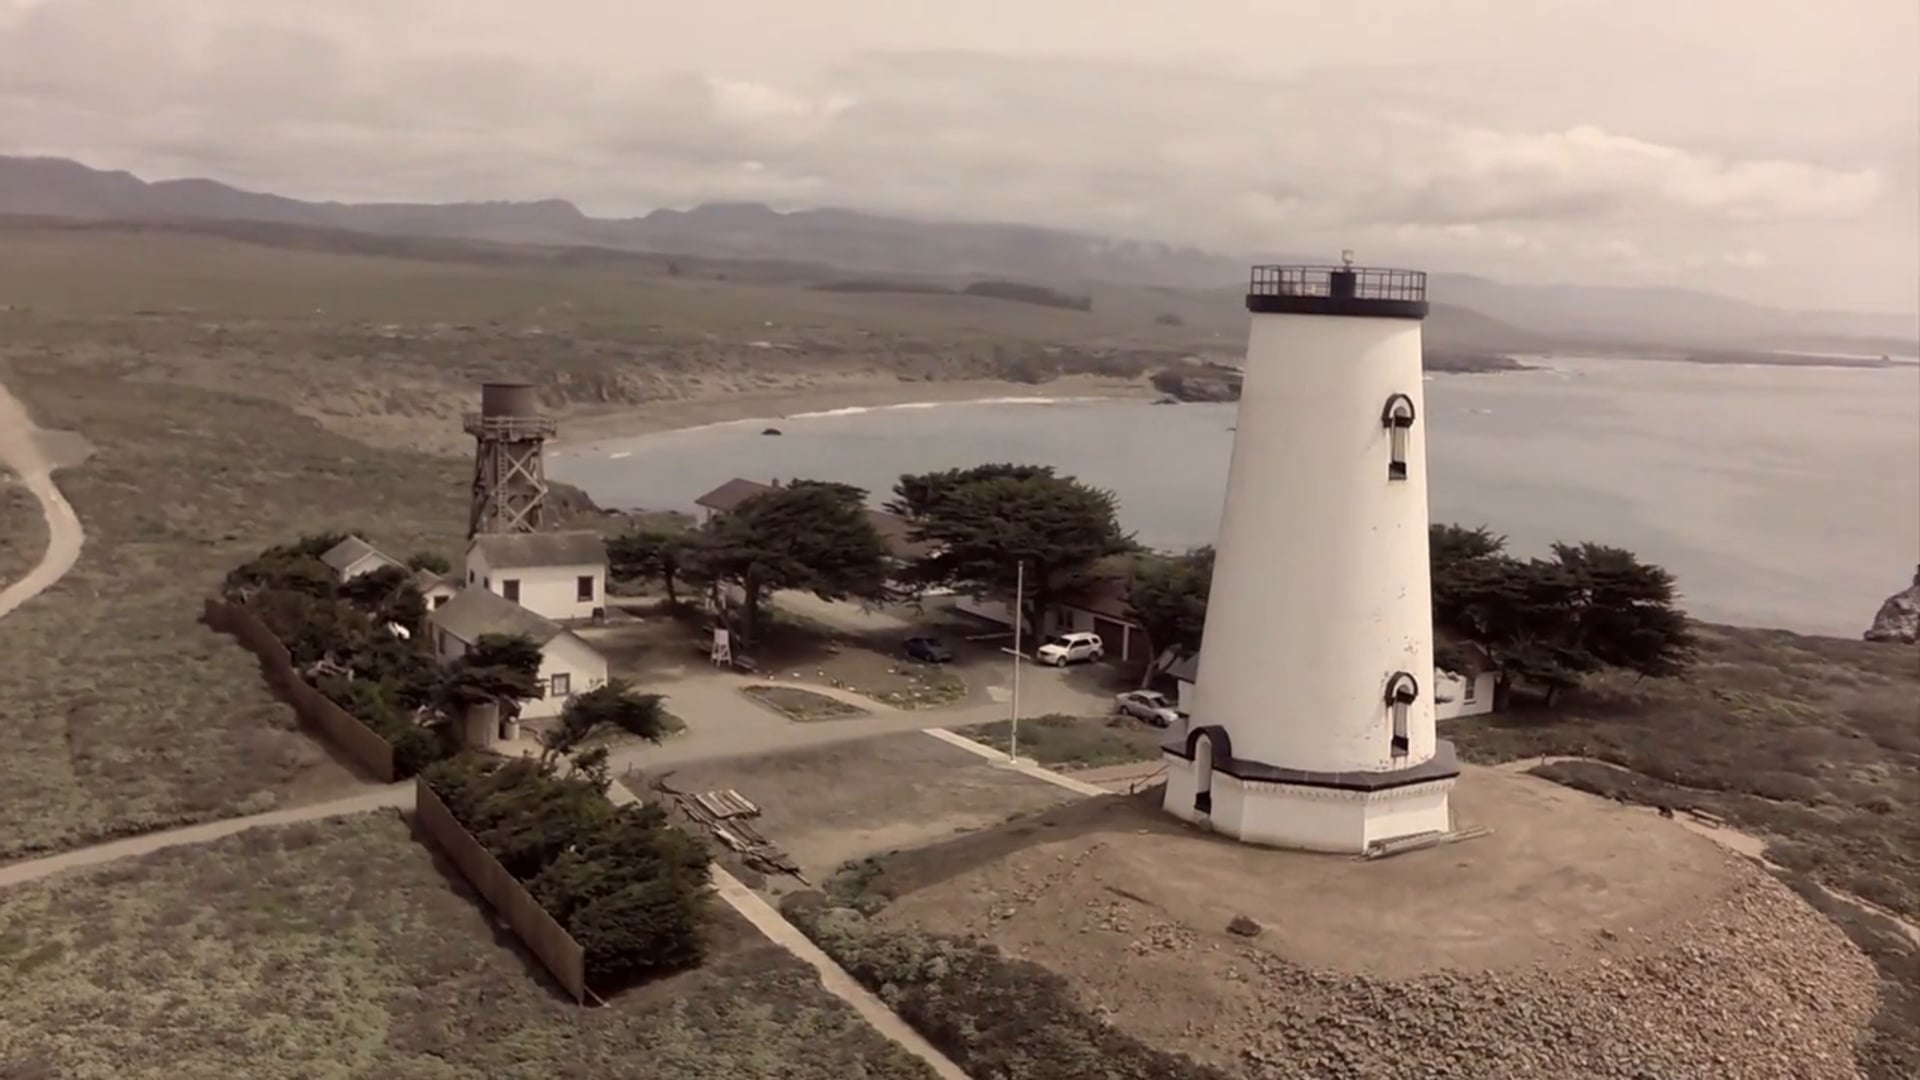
x=556, y=575
x=568, y=665
x=353, y=557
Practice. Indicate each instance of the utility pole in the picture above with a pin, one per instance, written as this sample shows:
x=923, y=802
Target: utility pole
x=1019, y=620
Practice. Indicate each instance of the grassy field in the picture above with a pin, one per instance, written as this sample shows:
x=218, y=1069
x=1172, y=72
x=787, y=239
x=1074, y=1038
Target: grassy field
x=120, y=713
x=1082, y=742
x=340, y=949
x=23, y=531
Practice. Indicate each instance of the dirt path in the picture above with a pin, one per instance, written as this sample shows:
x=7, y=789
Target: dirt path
x=21, y=451
x=1734, y=840
x=393, y=796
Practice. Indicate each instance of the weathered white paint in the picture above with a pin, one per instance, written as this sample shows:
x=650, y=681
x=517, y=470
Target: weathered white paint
x=566, y=654
x=1321, y=589
x=1461, y=696
x=1314, y=819
x=1320, y=586
x=1454, y=695
x=552, y=591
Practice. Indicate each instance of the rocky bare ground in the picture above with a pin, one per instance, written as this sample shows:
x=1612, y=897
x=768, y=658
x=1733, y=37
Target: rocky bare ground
x=1756, y=986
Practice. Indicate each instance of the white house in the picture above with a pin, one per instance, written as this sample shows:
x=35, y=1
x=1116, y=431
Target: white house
x=352, y=557
x=1454, y=695
x=568, y=665
x=435, y=589
x=559, y=575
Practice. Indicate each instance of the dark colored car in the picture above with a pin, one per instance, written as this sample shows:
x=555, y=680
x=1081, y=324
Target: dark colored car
x=930, y=649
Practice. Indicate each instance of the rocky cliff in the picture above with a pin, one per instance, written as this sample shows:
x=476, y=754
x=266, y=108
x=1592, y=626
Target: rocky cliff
x=1899, y=617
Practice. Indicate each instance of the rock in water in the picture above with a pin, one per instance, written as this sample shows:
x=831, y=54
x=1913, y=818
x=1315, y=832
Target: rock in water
x=1899, y=617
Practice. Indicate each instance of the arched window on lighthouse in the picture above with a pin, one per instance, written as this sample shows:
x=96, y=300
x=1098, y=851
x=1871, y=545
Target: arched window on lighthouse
x=1402, y=691
x=1397, y=417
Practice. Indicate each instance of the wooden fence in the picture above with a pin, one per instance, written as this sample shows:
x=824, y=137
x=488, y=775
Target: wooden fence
x=360, y=742
x=543, y=935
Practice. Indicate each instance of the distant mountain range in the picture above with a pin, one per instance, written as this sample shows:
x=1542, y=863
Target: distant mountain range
x=870, y=243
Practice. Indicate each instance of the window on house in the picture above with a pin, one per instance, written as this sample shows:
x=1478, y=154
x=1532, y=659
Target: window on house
x=560, y=685
x=1469, y=685
x=1397, y=418
x=440, y=601
x=583, y=588
x=510, y=588
x=470, y=576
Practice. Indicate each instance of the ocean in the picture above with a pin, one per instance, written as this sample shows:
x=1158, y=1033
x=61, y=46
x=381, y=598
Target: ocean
x=1778, y=496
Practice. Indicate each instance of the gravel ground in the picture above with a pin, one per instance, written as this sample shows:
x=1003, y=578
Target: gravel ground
x=1743, y=982
x=1758, y=986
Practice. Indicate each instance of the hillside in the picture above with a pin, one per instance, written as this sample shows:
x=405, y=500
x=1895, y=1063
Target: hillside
x=870, y=243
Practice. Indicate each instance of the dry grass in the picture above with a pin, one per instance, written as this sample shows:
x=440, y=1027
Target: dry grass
x=802, y=706
x=1076, y=741
x=1813, y=743
x=120, y=713
x=339, y=949
x=23, y=531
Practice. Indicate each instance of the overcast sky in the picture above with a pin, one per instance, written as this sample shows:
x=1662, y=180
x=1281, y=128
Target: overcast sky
x=1764, y=148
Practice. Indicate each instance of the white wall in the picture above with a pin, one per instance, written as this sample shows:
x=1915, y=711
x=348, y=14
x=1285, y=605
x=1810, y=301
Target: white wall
x=566, y=655
x=1311, y=819
x=1449, y=685
x=552, y=591
x=1321, y=583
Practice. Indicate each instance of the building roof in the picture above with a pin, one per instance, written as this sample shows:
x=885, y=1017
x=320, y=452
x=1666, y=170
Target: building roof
x=427, y=581
x=506, y=551
x=895, y=530
x=341, y=556
x=1187, y=668
x=474, y=613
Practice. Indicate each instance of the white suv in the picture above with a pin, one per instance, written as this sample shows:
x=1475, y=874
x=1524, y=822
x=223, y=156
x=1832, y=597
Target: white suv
x=1063, y=649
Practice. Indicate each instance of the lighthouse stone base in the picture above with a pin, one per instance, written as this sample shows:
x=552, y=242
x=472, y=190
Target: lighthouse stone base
x=1335, y=812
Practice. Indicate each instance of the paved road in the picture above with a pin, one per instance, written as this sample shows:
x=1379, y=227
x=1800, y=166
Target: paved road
x=20, y=450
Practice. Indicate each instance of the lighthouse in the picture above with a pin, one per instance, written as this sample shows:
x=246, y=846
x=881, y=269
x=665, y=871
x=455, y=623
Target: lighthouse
x=1313, y=712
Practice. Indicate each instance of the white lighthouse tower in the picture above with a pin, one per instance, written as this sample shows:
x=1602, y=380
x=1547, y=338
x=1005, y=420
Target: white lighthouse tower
x=1313, y=717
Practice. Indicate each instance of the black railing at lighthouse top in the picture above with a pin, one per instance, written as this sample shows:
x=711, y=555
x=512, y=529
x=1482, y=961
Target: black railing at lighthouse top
x=1354, y=291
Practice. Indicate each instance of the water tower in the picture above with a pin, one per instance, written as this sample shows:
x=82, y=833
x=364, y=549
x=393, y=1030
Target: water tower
x=1313, y=723
x=509, y=464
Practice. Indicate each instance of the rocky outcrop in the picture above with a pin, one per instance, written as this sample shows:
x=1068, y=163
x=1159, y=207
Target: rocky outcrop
x=1899, y=617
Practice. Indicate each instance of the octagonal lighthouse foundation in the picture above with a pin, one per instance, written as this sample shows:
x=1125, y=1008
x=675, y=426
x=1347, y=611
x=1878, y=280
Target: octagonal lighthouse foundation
x=1313, y=716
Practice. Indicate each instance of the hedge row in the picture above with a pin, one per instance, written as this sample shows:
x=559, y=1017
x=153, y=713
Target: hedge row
x=630, y=887
x=392, y=679
x=997, y=1018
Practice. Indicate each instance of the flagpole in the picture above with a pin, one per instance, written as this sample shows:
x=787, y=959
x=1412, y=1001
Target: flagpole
x=1019, y=619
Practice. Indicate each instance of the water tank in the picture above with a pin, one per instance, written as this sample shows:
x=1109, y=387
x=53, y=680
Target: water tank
x=509, y=399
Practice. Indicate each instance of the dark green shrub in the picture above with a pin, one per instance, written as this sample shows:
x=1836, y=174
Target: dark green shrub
x=629, y=886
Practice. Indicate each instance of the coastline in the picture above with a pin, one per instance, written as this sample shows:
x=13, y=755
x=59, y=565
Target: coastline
x=587, y=429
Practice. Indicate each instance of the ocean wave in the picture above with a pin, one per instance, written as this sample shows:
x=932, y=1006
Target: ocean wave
x=856, y=410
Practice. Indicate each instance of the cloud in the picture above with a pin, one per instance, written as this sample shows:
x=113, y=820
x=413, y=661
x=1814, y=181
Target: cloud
x=357, y=100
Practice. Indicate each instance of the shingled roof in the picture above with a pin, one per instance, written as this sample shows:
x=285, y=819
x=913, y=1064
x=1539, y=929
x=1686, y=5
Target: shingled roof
x=474, y=613
x=506, y=551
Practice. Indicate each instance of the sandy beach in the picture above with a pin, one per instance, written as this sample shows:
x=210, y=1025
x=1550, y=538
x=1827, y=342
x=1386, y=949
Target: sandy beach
x=581, y=431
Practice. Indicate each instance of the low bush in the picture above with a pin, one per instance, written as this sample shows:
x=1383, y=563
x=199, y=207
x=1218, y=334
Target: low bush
x=629, y=886
x=996, y=1017
x=1021, y=292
